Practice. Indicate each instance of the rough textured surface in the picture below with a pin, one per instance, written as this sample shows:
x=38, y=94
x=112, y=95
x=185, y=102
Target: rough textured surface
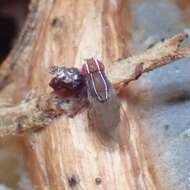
x=162, y=97
x=157, y=106
x=58, y=157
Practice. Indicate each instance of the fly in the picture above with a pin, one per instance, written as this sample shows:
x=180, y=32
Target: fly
x=104, y=111
x=91, y=81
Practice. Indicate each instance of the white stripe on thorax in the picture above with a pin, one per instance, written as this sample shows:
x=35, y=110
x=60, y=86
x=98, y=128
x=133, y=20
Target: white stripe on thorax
x=104, y=81
x=87, y=68
x=93, y=83
x=94, y=86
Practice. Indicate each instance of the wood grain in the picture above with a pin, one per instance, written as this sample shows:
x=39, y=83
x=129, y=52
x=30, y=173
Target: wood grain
x=68, y=154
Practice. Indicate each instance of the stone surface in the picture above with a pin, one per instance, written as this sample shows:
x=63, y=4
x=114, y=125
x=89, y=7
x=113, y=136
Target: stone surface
x=162, y=97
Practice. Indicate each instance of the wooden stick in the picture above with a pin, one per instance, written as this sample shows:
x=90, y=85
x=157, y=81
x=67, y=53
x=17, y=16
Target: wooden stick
x=123, y=71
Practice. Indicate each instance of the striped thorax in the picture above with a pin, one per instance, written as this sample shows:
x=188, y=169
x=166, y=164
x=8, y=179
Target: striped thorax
x=96, y=80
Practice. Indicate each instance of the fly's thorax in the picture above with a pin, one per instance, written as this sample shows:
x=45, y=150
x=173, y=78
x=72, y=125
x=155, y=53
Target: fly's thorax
x=97, y=83
x=92, y=65
x=98, y=89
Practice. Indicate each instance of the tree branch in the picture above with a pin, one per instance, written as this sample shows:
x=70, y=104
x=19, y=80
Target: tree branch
x=123, y=71
x=37, y=112
x=41, y=111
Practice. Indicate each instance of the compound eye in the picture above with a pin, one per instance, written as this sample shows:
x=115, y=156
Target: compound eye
x=84, y=70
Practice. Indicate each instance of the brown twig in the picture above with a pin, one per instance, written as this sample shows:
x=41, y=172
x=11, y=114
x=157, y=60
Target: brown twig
x=123, y=71
x=37, y=112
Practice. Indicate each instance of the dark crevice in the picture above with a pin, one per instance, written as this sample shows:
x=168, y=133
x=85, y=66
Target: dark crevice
x=13, y=14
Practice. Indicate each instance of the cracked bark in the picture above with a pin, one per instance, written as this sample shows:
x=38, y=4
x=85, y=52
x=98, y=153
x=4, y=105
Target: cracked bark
x=67, y=154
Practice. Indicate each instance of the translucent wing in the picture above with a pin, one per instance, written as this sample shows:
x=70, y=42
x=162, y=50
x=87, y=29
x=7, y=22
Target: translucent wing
x=104, y=118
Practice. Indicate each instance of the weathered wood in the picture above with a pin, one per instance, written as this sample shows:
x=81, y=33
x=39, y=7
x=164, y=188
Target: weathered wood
x=68, y=155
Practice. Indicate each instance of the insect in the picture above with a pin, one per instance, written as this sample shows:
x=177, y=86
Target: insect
x=104, y=113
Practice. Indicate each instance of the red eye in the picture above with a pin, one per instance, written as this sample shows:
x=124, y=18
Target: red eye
x=84, y=70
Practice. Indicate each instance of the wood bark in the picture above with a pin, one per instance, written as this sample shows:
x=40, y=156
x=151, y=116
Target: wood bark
x=67, y=154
